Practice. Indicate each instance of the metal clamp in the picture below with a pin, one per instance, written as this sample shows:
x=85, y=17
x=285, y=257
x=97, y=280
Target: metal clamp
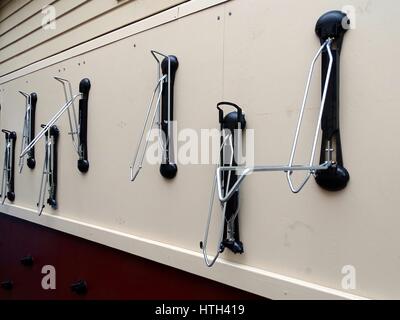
x=7, y=182
x=78, y=128
x=28, y=131
x=49, y=175
x=163, y=108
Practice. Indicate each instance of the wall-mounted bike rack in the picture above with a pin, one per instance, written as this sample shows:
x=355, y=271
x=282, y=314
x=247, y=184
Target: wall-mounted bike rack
x=7, y=182
x=28, y=131
x=164, y=109
x=330, y=173
x=230, y=128
x=49, y=175
x=78, y=127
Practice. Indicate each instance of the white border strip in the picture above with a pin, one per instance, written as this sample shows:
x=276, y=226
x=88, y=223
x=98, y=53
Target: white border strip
x=255, y=280
x=151, y=22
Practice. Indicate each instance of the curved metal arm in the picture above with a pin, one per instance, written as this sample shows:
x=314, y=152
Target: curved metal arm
x=204, y=243
x=49, y=175
x=49, y=124
x=245, y=171
x=45, y=175
x=73, y=122
x=134, y=173
x=327, y=45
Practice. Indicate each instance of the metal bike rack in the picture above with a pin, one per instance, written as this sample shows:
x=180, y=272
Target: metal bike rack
x=230, y=124
x=7, y=182
x=164, y=109
x=49, y=176
x=78, y=127
x=329, y=174
x=28, y=131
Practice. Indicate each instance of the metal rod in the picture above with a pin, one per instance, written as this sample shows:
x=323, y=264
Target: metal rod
x=210, y=211
x=327, y=45
x=45, y=176
x=73, y=131
x=49, y=124
x=168, y=79
x=134, y=173
x=205, y=241
x=245, y=171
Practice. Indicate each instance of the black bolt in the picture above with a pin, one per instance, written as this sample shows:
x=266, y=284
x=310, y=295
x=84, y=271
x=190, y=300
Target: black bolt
x=27, y=261
x=7, y=285
x=79, y=287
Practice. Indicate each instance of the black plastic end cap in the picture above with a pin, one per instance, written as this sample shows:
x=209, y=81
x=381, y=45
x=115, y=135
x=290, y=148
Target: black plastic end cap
x=83, y=165
x=54, y=131
x=334, y=178
x=33, y=98
x=27, y=261
x=31, y=162
x=168, y=170
x=84, y=86
x=13, y=135
x=11, y=196
x=80, y=287
x=232, y=121
x=174, y=64
x=332, y=24
x=235, y=246
x=52, y=203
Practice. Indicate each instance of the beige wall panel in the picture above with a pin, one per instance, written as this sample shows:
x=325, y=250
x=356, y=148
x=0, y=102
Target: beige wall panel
x=3, y=3
x=12, y=7
x=26, y=30
x=256, y=55
x=89, y=10
x=93, y=18
x=27, y=12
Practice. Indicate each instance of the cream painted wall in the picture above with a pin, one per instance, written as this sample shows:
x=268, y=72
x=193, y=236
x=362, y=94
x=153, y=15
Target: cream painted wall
x=23, y=40
x=257, y=55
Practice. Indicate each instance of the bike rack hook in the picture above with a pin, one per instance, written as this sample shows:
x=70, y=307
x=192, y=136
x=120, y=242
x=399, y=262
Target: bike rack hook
x=164, y=108
x=28, y=131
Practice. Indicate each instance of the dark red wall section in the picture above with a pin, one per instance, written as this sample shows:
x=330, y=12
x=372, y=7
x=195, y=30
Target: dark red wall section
x=109, y=273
